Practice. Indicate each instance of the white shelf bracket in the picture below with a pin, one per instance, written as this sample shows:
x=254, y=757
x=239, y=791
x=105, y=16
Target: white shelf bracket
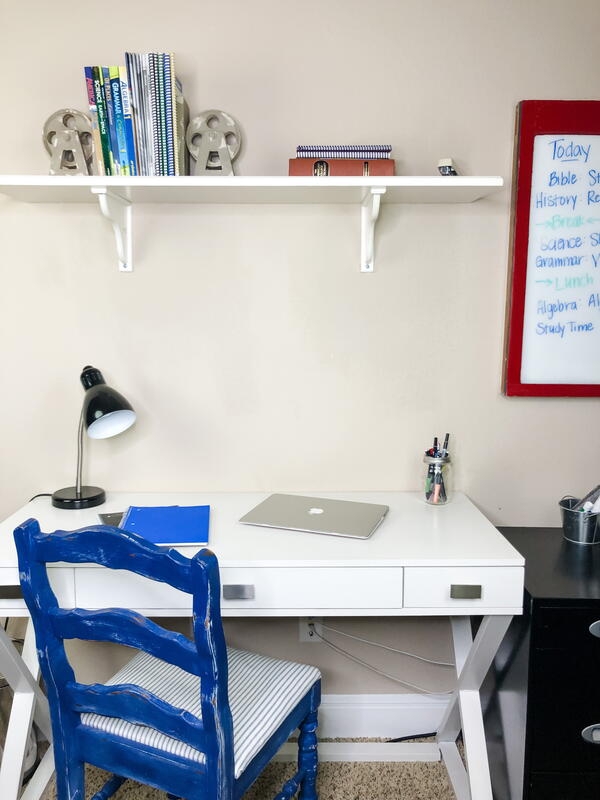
x=369, y=212
x=118, y=211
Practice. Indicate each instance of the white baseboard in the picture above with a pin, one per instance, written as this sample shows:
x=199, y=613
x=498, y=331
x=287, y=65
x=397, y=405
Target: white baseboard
x=366, y=751
x=387, y=716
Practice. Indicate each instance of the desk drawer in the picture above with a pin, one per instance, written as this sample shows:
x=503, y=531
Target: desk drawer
x=272, y=587
x=107, y=588
x=564, y=700
x=564, y=786
x=568, y=628
x=312, y=587
x=11, y=597
x=448, y=587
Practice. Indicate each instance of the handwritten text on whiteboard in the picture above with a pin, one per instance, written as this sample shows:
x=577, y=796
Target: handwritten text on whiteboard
x=561, y=335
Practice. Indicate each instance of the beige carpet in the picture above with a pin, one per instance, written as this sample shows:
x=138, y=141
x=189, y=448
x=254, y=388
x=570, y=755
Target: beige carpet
x=337, y=781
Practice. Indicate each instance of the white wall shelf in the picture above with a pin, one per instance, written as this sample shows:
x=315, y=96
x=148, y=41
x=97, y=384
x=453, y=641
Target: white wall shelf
x=117, y=196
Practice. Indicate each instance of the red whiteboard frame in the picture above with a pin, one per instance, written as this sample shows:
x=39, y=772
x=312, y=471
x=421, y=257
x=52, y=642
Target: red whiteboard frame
x=535, y=117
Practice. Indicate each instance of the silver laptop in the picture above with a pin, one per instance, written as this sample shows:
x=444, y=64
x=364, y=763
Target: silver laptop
x=317, y=515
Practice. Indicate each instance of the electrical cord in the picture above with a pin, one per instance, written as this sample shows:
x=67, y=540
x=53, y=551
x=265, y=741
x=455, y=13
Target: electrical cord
x=42, y=494
x=412, y=736
x=346, y=654
x=386, y=647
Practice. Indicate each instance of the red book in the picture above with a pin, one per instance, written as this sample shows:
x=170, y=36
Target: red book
x=338, y=167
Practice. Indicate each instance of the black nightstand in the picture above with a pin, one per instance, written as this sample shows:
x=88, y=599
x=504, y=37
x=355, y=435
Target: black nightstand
x=544, y=687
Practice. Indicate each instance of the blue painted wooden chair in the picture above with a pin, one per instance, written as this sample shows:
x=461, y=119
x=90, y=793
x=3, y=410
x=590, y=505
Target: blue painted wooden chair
x=196, y=719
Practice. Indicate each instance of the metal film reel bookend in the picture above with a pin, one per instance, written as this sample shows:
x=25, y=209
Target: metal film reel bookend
x=69, y=141
x=213, y=139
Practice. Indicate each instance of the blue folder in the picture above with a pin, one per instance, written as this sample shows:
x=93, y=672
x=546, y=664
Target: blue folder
x=169, y=525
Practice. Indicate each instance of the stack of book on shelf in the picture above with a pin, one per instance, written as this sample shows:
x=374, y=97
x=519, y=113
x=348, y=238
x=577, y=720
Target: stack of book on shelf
x=139, y=116
x=342, y=159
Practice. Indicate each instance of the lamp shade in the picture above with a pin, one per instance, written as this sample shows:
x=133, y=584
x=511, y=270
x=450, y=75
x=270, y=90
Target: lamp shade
x=105, y=411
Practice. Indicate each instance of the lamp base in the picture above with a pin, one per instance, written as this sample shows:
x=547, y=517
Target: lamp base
x=89, y=496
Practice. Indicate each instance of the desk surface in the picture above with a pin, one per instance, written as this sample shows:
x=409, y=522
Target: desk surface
x=413, y=565
x=413, y=533
x=557, y=569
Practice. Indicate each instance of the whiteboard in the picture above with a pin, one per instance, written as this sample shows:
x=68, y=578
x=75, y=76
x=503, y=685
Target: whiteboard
x=561, y=324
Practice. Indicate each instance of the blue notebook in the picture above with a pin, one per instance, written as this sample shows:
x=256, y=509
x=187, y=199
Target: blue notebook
x=169, y=525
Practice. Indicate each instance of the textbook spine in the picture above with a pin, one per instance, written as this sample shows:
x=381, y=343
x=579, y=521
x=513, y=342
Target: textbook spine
x=103, y=126
x=128, y=118
x=89, y=85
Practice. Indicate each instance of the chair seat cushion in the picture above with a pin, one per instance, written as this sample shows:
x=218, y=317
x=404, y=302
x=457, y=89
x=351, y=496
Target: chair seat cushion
x=262, y=692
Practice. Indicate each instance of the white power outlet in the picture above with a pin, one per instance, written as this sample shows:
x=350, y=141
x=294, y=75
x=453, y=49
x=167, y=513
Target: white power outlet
x=309, y=627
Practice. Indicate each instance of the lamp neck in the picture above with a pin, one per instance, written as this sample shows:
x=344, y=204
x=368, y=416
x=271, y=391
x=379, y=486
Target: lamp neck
x=90, y=376
x=79, y=456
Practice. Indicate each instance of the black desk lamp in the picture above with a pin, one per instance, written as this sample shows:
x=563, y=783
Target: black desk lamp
x=105, y=413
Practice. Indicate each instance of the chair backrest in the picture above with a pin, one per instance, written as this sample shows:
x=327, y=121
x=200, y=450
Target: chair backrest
x=206, y=657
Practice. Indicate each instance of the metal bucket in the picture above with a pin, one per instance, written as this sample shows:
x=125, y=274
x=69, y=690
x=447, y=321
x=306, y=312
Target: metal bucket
x=580, y=527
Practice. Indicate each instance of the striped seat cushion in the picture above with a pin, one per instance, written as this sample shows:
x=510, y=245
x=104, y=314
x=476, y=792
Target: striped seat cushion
x=262, y=692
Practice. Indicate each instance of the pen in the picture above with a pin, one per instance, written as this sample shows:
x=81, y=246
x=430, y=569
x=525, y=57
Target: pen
x=445, y=448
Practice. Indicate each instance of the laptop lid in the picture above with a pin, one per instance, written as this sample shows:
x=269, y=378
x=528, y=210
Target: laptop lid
x=317, y=515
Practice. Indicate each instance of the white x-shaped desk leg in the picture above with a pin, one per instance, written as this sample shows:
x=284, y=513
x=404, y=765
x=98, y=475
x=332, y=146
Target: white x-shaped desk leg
x=473, y=659
x=29, y=702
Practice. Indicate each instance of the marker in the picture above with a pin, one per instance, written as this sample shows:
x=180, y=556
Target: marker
x=445, y=448
x=428, y=484
x=437, y=486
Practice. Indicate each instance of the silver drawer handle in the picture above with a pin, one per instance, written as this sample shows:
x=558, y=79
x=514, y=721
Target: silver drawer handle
x=592, y=733
x=238, y=591
x=595, y=628
x=465, y=591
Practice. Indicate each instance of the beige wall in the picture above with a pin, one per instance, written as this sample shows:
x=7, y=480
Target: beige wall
x=254, y=352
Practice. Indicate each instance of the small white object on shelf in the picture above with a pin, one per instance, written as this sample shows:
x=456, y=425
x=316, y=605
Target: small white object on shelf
x=446, y=167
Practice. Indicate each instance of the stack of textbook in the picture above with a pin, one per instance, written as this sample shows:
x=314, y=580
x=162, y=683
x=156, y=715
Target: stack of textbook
x=139, y=116
x=320, y=160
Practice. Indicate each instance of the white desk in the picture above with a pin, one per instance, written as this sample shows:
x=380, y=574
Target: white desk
x=408, y=568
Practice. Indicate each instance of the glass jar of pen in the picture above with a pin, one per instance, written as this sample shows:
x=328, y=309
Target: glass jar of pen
x=437, y=478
